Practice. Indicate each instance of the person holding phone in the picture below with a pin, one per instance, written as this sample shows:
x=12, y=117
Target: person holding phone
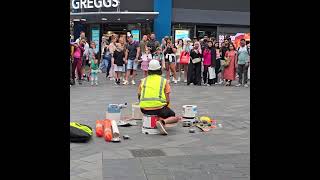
x=170, y=59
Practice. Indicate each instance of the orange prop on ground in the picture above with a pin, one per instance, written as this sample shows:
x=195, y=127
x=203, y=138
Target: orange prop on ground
x=99, y=128
x=107, y=130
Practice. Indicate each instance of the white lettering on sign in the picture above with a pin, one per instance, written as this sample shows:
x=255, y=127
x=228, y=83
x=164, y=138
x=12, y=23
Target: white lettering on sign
x=90, y=4
x=107, y=3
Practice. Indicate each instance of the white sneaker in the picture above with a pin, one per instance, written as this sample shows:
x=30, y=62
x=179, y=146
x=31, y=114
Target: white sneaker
x=161, y=128
x=96, y=83
x=208, y=84
x=185, y=81
x=91, y=83
x=132, y=82
x=179, y=79
x=238, y=85
x=221, y=82
x=125, y=82
x=111, y=79
x=246, y=85
x=175, y=81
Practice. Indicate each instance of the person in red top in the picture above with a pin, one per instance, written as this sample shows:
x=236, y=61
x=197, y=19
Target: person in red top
x=229, y=73
x=77, y=61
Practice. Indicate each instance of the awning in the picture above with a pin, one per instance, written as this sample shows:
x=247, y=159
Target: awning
x=112, y=17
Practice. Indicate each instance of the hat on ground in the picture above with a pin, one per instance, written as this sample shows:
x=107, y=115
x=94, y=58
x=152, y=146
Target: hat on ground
x=154, y=65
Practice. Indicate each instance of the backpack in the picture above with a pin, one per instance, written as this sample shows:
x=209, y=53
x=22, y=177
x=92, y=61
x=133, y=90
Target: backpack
x=80, y=132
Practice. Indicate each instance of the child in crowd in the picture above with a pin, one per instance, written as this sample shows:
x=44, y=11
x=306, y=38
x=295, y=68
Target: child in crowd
x=145, y=59
x=91, y=56
x=94, y=70
x=160, y=57
x=118, y=61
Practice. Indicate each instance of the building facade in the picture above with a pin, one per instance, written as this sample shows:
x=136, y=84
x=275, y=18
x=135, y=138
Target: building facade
x=176, y=18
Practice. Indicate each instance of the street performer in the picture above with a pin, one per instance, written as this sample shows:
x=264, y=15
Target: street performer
x=153, y=94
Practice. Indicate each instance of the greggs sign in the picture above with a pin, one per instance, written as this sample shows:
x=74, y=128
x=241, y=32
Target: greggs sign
x=90, y=4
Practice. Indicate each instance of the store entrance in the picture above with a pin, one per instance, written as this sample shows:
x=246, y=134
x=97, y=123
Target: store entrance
x=119, y=29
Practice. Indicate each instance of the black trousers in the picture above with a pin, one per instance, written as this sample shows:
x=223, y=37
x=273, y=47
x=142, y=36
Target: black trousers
x=194, y=73
x=205, y=75
x=164, y=113
x=243, y=69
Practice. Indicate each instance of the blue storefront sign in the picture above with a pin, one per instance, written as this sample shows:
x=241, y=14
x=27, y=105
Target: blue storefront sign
x=95, y=36
x=136, y=34
x=181, y=34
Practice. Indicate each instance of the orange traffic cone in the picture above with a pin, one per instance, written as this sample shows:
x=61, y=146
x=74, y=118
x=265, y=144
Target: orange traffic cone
x=99, y=128
x=107, y=130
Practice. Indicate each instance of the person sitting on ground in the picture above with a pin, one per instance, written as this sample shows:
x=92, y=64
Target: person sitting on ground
x=154, y=103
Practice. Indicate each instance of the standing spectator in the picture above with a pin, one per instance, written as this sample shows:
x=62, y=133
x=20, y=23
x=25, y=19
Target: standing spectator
x=91, y=56
x=112, y=48
x=178, y=53
x=153, y=44
x=77, y=62
x=209, y=60
x=243, y=63
x=218, y=79
x=224, y=49
x=194, y=68
x=85, y=57
x=186, y=49
x=82, y=35
x=143, y=44
x=105, y=64
x=118, y=61
x=71, y=62
x=230, y=70
x=160, y=57
x=145, y=59
x=133, y=51
x=170, y=59
x=94, y=69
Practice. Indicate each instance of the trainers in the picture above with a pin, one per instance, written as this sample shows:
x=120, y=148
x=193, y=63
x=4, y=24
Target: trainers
x=175, y=81
x=208, y=85
x=220, y=82
x=161, y=128
x=205, y=84
x=91, y=83
x=125, y=82
x=179, y=79
x=246, y=85
x=132, y=82
x=185, y=81
x=238, y=85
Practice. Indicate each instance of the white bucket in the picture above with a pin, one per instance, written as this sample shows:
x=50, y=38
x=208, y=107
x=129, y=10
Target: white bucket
x=190, y=111
x=149, y=121
x=136, y=111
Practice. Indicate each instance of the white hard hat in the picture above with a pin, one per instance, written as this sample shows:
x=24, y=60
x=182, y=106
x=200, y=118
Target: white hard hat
x=154, y=65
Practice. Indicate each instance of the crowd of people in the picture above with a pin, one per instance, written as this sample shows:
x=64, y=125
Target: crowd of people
x=197, y=62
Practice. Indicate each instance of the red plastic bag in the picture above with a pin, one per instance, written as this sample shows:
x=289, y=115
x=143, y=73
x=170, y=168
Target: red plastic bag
x=107, y=132
x=184, y=57
x=99, y=128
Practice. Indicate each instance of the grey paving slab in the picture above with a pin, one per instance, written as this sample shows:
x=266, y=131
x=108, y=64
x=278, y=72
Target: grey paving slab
x=221, y=154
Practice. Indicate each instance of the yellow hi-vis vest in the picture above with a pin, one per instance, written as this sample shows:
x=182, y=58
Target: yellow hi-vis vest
x=152, y=92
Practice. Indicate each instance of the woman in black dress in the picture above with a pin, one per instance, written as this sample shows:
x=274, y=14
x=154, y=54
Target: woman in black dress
x=194, y=67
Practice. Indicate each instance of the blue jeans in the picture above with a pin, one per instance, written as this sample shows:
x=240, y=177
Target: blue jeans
x=105, y=66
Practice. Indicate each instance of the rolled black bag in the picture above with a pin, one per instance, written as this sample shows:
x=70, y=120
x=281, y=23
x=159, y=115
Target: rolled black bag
x=80, y=133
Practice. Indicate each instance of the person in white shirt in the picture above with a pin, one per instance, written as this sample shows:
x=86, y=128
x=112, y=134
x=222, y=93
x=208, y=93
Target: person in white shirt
x=85, y=57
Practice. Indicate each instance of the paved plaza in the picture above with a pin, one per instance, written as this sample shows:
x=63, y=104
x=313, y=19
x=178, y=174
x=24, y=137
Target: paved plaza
x=220, y=154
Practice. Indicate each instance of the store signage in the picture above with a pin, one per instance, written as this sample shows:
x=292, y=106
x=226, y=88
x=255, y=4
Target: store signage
x=181, y=34
x=95, y=36
x=90, y=4
x=135, y=34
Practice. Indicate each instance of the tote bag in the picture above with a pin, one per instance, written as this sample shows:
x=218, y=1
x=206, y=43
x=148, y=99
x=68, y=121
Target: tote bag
x=212, y=73
x=184, y=57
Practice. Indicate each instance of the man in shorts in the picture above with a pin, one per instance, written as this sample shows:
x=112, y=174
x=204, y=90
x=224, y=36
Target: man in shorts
x=133, y=53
